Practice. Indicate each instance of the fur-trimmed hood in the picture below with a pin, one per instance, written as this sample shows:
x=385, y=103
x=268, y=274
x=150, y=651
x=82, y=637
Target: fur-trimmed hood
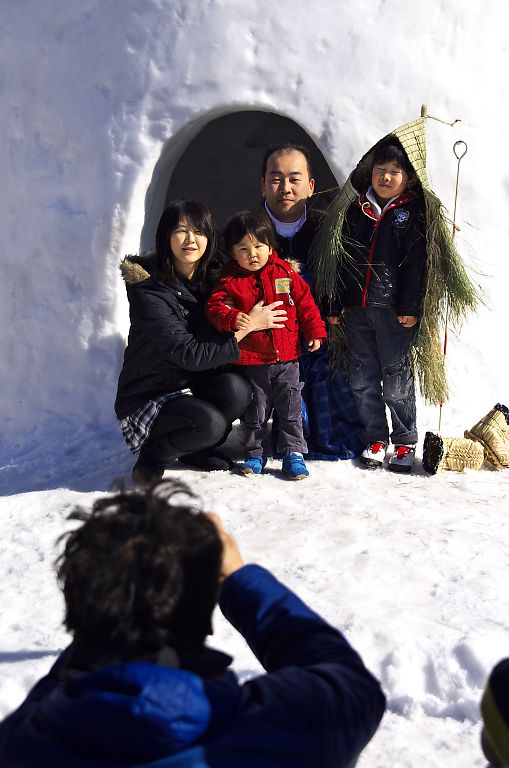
x=135, y=269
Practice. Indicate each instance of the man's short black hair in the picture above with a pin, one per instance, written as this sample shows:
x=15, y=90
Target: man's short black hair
x=247, y=222
x=391, y=151
x=282, y=148
x=142, y=572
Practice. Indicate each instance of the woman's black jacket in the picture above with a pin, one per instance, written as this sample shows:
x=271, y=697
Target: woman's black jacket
x=170, y=342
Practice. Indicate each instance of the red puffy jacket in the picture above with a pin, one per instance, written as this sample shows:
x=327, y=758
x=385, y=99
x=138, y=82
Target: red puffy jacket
x=276, y=281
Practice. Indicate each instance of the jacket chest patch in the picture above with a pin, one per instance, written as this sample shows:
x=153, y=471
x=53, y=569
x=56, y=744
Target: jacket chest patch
x=283, y=284
x=400, y=217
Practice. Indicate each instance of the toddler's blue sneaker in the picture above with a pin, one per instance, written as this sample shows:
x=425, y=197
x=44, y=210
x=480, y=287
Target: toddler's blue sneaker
x=294, y=466
x=254, y=465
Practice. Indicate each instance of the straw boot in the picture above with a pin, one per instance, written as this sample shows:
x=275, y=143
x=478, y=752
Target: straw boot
x=492, y=432
x=454, y=453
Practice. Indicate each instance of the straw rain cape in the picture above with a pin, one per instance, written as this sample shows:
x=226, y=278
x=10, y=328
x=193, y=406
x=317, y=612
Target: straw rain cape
x=448, y=290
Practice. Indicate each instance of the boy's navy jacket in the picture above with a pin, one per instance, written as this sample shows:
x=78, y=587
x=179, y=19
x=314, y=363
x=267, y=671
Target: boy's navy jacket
x=387, y=255
x=317, y=705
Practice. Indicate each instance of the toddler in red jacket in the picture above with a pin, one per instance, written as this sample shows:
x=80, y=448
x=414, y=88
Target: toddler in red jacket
x=269, y=359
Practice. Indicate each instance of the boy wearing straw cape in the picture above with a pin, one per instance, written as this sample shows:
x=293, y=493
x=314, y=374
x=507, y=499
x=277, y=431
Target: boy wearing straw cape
x=380, y=294
x=425, y=261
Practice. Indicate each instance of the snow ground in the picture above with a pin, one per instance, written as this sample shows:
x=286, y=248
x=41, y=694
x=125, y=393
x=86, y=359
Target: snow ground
x=411, y=568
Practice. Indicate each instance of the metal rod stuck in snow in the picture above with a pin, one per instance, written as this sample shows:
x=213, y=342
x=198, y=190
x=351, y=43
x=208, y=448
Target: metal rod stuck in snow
x=460, y=150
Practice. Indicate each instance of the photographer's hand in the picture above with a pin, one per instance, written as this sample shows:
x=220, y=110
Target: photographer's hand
x=232, y=559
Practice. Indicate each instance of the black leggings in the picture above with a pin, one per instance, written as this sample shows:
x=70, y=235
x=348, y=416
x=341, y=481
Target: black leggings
x=202, y=420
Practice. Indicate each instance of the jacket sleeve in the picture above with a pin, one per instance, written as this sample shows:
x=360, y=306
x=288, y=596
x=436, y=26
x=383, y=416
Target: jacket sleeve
x=157, y=322
x=17, y=729
x=316, y=683
x=412, y=267
x=222, y=316
x=310, y=321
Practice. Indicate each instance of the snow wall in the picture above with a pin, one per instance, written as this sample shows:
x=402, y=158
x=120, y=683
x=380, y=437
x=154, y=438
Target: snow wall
x=100, y=99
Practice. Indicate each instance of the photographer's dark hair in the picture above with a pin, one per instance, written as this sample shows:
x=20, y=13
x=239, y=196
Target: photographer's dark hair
x=198, y=216
x=247, y=222
x=282, y=148
x=141, y=572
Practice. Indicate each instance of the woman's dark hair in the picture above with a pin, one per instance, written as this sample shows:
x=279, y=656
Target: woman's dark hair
x=143, y=571
x=254, y=223
x=391, y=151
x=197, y=215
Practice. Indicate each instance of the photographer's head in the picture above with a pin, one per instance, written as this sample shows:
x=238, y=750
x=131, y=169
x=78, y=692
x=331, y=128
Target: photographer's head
x=142, y=571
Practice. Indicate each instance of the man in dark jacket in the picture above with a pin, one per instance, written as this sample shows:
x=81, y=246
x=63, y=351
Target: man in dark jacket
x=139, y=687
x=332, y=425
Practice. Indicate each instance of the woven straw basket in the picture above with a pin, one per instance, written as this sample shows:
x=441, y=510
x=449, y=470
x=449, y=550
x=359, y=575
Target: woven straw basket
x=492, y=432
x=453, y=453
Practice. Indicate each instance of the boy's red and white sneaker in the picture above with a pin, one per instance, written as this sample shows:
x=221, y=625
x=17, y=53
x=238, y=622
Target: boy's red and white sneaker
x=402, y=460
x=373, y=454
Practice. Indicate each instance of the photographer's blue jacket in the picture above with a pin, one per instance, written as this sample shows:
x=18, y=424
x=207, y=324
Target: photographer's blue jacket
x=317, y=705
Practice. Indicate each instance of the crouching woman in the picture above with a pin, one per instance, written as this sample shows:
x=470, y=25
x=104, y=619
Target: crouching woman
x=174, y=398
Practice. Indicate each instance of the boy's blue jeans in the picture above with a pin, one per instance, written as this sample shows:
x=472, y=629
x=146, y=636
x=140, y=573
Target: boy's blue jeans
x=380, y=373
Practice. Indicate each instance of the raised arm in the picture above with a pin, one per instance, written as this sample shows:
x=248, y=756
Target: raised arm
x=317, y=684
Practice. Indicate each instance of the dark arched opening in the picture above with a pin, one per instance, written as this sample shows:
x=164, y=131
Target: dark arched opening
x=222, y=164
x=219, y=161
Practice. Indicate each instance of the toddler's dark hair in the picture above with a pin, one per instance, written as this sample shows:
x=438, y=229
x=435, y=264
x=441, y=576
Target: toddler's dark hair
x=254, y=223
x=142, y=572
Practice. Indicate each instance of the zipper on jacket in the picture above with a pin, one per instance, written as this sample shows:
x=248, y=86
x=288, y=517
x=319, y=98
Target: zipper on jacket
x=374, y=238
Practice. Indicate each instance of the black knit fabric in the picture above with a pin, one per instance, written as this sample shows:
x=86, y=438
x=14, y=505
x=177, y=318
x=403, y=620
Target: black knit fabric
x=499, y=683
x=503, y=409
x=432, y=453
